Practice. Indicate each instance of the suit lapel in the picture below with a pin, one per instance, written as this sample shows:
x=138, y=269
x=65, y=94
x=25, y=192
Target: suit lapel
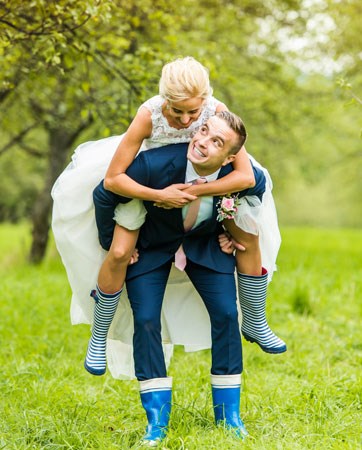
x=223, y=171
x=176, y=171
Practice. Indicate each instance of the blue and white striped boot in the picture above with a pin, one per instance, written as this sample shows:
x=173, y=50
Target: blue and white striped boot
x=226, y=401
x=104, y=311
x=255, y=328
x=156, y=395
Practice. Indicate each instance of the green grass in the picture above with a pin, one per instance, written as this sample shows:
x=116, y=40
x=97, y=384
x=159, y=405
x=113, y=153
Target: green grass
x=308, y=398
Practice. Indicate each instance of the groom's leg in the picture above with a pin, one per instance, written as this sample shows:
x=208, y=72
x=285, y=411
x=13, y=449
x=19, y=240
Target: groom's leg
x=146, y=293
x=218, y=292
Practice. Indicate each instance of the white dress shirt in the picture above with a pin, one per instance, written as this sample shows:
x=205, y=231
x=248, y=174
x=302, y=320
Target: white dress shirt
x=206, y=204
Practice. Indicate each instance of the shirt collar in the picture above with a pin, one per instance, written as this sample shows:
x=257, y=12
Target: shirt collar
x=191, y=174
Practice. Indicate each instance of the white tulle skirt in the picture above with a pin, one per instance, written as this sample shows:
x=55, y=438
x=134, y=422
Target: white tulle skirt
x=184, y=317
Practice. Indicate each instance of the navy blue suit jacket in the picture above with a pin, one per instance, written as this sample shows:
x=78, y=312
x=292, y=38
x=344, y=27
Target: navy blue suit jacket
x=163, y=232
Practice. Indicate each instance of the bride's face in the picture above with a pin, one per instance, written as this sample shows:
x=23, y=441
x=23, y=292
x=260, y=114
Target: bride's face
x=181, y=114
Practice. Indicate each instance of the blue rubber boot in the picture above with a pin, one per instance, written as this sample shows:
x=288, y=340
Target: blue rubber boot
x=255, y=328
x=156, y=396
x=226, y=401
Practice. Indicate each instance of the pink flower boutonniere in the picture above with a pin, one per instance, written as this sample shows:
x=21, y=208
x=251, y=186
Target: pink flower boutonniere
x=227, y=207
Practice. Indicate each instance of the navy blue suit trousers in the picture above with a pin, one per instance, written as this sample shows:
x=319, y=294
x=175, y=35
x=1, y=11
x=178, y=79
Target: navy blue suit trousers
x=218, y=293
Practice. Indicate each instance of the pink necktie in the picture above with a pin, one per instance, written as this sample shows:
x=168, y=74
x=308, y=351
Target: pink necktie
x=189, y=222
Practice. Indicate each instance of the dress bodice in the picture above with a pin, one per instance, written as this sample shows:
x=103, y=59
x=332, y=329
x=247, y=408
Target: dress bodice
x=163, y=133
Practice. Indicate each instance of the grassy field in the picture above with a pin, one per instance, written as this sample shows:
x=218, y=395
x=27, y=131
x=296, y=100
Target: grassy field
x=308, y=398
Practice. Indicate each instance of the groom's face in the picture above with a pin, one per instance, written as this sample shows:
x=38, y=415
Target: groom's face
x=210, y=147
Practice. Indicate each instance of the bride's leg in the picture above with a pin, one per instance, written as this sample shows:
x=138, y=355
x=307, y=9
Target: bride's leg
x=113, y=270
x=248, y=261
x=107, y=294
x=252, y=289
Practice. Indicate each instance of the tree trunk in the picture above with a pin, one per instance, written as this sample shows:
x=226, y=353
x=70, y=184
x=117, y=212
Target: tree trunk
x=40, y=226
x=59, y=144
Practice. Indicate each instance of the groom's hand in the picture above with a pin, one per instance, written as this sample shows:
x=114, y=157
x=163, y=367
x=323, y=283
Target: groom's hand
x=228, y=244
x=134, y=257
x=174, y=196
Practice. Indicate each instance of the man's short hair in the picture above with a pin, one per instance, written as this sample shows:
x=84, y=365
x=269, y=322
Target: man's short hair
x=236, y=124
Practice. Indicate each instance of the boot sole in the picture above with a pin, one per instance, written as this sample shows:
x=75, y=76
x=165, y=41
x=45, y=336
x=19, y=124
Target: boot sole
x=96, y=372
x=271, y=350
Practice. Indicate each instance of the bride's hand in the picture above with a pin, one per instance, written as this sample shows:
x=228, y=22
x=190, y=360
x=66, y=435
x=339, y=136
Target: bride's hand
x=174, y=196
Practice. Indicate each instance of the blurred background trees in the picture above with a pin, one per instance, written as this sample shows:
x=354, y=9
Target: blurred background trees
x=77, y=70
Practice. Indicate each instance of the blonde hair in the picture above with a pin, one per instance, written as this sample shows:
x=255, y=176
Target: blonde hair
x=184, y=78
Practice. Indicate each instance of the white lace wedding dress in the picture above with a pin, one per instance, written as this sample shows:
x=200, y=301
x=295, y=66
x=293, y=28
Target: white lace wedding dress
x=184, y=317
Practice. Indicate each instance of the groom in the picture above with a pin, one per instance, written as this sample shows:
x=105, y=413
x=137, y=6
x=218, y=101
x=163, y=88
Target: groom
x=188, y=236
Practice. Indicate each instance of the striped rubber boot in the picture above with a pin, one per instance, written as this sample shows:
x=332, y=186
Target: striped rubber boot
x=156, y=395
x=104, y=311
x=255, y=328
x=226, y=401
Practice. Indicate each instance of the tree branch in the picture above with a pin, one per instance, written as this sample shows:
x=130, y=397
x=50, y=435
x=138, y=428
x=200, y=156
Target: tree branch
x=42, y=29
x=358, y=100
x=84, y=125
x=109, y=67
x=31, y=150
x=18, y=139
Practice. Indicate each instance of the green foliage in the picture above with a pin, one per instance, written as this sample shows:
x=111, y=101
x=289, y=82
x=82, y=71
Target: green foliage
x=307, y=398
x=21, y=178
x=347, y=44
x=36, y=35
x=78, y=59
x=73, y=65
x=78, y=70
